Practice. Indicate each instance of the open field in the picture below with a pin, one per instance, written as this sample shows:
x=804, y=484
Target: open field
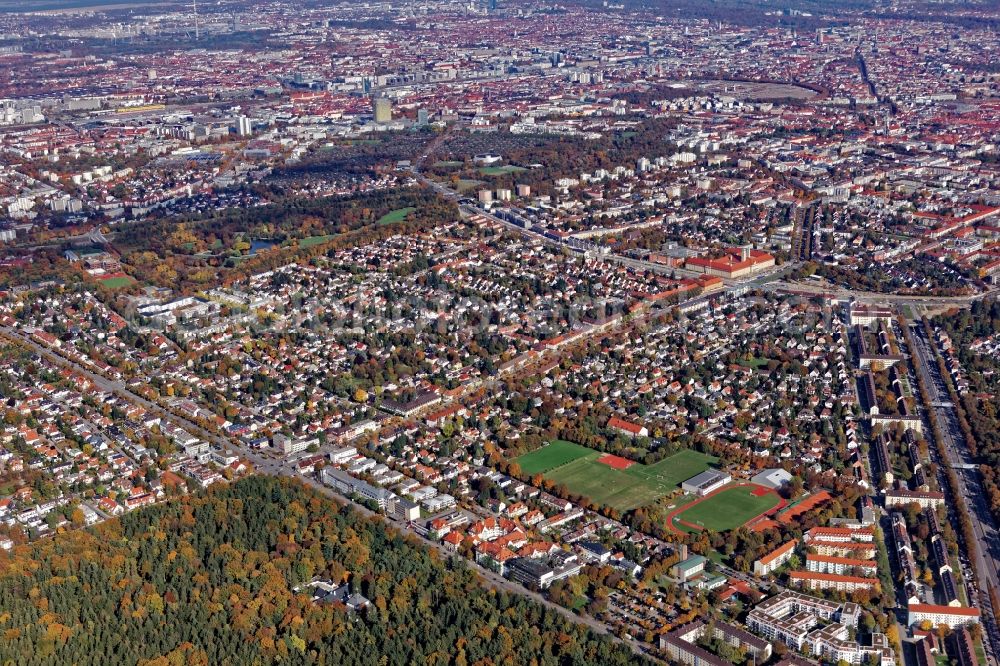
x=309, y=241
x=726, y=509
x=118, y=282
x=673, y=470
x=501, y=171
x=394, y=216
x=580, y=470
x=464, y=185
x=557, y=453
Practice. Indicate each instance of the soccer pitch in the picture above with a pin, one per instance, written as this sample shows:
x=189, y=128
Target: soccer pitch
x=118, y=282
x=555, y=454
x=577, y=468
x=726, y=509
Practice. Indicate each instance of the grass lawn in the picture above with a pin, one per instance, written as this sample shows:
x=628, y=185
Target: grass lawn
x=119, y=282
x=728, y=509
x=394, y=216
x=464, y=185
x=962, y=595
x=980, y=652
x=672, y=470
x=309, y=241
x=555, y=454
x=577, y=468
x=501, y=171
x=716, y=556
x=756, y=362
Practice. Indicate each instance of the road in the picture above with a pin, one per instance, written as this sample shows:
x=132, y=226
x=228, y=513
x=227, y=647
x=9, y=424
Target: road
x=115, y=386
x=840, y=292
x=906, y=657
x=987, y=535
x=802, y=240
x=771, y=280
x=281, y=467
x=630, y=262
x=970, y=482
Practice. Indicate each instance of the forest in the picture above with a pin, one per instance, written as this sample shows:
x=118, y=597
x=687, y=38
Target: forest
x=561, y=156
x=196, y=251
x=208, y=579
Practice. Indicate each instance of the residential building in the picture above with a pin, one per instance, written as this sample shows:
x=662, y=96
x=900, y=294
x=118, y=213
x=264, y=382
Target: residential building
x=347, y=484
x=938, y=615
x=828, y=581
x=681, y=643
x=775, y=559
x=839, y=565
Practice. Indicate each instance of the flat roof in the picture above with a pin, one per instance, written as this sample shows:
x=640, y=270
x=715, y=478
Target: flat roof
x=708, y=476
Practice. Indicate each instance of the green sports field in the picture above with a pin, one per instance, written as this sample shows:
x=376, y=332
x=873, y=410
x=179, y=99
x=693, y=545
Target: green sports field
x=577, y=468
x=118, y=282
x=727, y=509
x=397, y=215
x=557, y=453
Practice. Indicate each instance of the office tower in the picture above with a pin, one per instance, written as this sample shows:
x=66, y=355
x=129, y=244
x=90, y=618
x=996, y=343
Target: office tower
x=382, y=108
